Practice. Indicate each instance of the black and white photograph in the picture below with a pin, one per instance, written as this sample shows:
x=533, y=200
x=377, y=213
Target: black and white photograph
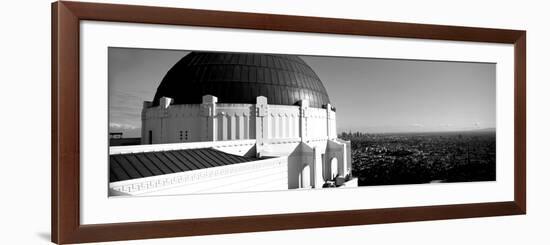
x=193, y=122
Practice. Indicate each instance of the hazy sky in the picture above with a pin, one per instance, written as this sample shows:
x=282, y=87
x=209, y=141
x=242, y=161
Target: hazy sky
x=370, y=95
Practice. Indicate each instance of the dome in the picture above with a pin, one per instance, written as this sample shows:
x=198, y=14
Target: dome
x=240, y=78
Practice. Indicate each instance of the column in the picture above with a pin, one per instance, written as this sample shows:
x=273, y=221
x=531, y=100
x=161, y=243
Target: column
x=144, y=124
x=304, y=106
x=208, y=118
x=246, y=127
x=164, y=104
x=329, y=121
x=261, y=122
x=317, y=168
x=224, y=126
x=239, y=127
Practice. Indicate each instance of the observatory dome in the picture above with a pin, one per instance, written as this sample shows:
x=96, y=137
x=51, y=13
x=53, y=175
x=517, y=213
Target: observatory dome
x=240, y=78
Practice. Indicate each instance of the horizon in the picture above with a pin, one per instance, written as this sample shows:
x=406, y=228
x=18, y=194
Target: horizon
x=420, y=132
x=340, y=131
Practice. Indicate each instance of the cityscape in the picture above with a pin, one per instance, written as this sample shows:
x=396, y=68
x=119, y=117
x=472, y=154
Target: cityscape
x=415, y=158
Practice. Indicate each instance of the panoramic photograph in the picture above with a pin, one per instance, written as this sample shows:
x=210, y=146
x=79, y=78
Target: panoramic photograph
x=194, y=122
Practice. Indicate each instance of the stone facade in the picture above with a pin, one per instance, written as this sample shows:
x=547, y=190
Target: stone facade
x=297, y=146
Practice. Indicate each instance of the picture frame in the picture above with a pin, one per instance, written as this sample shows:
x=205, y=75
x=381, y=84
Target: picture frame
x=65, y=170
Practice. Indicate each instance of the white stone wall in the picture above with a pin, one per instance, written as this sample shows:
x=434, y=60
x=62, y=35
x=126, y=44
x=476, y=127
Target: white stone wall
x=283, y=122
x=177, y=123
x=212, y=121
x=235, y=121
x=316, y=123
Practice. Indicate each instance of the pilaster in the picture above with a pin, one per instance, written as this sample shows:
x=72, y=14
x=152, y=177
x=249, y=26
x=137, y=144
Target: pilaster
x=261, y=122
x=304, y=106
x=208, y=118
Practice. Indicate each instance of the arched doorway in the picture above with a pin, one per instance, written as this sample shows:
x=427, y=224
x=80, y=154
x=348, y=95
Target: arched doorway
x=333, y=168
x=305, y=177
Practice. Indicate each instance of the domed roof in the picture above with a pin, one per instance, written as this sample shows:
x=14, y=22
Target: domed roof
x=240, y=78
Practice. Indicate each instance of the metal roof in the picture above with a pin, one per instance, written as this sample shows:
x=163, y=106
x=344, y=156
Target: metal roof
x=240, y=78
x=139, y=165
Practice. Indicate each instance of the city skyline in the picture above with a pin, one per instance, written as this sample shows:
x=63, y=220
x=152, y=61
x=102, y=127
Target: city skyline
x=379, y=96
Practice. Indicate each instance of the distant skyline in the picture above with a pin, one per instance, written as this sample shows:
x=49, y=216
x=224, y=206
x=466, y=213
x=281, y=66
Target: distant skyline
x=370, y=95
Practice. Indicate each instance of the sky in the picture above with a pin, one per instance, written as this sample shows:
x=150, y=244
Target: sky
x=370, y=95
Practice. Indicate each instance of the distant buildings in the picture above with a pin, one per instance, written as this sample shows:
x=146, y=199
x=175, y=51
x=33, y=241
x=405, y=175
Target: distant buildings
x=117, y=139
x=384, y=159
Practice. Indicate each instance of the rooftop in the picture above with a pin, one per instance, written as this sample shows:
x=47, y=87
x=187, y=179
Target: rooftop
x=140, y=165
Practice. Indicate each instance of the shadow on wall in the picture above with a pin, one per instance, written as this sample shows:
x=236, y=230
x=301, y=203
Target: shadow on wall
x=298, y=159
x=251, y=152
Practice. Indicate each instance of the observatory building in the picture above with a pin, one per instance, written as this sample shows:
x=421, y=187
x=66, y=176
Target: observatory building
x=232, y=122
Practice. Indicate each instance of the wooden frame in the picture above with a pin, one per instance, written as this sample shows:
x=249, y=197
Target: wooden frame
x=65, y=175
